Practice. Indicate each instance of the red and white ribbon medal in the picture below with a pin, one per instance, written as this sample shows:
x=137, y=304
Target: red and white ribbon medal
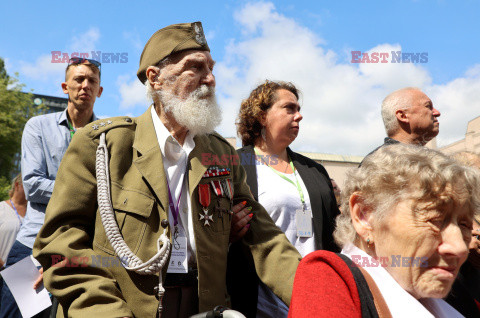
x=227, y=188
x=204, y=198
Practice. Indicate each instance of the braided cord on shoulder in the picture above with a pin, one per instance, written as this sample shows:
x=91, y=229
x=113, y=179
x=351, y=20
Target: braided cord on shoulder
x=128, y=259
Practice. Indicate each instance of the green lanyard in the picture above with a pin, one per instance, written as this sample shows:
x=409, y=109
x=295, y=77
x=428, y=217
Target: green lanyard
x=299, y=188
x=70, y=127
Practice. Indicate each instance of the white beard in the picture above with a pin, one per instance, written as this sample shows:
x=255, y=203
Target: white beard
x=199, y=113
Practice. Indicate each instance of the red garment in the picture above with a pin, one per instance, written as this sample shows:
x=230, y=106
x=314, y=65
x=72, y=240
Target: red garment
x=324, y=287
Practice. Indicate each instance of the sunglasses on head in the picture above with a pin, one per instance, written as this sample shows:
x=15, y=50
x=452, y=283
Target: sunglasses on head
x=81, y=60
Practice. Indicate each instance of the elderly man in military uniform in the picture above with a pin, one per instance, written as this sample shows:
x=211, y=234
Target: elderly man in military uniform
x=137, y=189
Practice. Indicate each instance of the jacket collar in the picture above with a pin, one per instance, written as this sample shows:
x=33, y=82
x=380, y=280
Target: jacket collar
x=196, y=168
x=150, y=163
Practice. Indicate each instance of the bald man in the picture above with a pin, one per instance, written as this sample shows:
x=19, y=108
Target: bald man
x=409, y=117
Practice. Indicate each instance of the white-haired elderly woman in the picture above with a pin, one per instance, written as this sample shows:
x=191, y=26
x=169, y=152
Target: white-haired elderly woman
x=405, y=229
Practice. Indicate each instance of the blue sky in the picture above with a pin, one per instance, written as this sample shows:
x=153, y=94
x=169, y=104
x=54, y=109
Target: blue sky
x=306, y=42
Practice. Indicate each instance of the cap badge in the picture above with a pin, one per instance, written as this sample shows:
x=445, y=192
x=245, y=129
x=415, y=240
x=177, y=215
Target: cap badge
x=199, y=35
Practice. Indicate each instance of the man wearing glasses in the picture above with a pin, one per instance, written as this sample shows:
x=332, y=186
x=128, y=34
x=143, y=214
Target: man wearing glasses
x=137, y=189
x=44, y=142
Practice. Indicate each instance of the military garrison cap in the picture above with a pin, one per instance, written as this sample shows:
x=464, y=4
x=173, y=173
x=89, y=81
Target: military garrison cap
x=171, y=39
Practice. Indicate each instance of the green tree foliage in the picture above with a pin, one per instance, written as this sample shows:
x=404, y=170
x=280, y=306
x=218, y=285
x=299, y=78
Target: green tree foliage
x=16, y=108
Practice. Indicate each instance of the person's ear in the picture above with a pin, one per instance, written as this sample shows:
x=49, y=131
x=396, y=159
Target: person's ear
x=100, y=91
x=361, y=216
x=401, y=115
x=64, y=87
x=153, y=74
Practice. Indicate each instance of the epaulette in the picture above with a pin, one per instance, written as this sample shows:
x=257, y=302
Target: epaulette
x=97, y=127
x=220, y=137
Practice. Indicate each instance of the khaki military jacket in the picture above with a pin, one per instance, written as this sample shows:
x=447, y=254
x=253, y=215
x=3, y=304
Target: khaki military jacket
x=89, y=282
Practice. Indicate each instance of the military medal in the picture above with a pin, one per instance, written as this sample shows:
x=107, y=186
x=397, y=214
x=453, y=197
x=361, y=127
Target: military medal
x=204, y=198
x=217, y=188
x=228, y=189
x=215, y=171
x=206, y=217
x=219, y=210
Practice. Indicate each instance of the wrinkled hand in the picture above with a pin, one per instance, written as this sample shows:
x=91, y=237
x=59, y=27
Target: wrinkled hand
x=39, y=280
x=240, y=221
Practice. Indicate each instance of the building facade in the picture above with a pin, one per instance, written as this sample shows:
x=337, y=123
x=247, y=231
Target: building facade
x=471, y=142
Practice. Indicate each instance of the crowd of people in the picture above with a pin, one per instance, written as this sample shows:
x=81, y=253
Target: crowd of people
x=265, y=231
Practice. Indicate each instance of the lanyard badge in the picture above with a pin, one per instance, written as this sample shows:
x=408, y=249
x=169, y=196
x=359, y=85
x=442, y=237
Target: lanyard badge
x=178, y=257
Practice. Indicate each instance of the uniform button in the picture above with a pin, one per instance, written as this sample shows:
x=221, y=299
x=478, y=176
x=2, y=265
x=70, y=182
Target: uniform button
x=164, y=223
x=128, y=120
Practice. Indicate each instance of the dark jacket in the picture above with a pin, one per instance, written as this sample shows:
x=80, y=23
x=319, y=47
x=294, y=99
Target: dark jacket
x=386, y=142
x=242, y=279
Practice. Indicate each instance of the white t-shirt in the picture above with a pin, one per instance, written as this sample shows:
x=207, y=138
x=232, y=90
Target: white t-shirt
x=9, y=226
x=281, y=200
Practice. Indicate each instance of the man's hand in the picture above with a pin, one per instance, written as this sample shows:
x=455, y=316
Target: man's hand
x=1, y=263
x=240, y=221
x=39, y=280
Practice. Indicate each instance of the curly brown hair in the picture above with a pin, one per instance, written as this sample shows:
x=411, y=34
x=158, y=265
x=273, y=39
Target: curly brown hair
x=255, y=106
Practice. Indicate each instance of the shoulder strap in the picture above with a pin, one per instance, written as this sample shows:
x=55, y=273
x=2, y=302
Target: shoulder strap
x=366, y=298
x=380, y=304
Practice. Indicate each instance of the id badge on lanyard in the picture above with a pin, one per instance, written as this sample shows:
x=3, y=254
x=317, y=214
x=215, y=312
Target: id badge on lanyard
x=178, y=258
x=303, y=222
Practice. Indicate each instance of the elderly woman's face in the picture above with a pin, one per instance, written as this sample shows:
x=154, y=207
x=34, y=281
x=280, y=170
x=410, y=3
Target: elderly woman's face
x=435, y=238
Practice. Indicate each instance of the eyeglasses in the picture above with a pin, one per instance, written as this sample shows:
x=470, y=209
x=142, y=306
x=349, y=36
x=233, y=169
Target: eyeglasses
x=81, y=60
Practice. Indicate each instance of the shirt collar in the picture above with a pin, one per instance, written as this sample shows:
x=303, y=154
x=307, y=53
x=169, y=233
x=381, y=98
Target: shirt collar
x=390, y=141
x=63, y=119
x=399, y=301
x=164, y=136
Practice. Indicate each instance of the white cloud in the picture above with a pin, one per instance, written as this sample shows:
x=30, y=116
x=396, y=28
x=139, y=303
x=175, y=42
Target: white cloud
x=8, y=63
x=341, y=100
x=132, y=92
x=51, y=67
x=210, y=35
x=85, y=42
x=44, y=69
x=458, y=102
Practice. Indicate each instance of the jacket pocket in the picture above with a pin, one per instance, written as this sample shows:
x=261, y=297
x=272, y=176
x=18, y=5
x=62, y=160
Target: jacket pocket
x=132, y=208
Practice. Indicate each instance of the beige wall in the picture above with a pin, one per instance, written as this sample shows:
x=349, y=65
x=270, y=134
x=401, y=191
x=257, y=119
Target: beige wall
x=337, y=170
x=471, y=142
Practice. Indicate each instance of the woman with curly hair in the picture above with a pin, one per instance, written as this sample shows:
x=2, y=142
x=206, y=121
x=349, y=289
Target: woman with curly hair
x=295, y=191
